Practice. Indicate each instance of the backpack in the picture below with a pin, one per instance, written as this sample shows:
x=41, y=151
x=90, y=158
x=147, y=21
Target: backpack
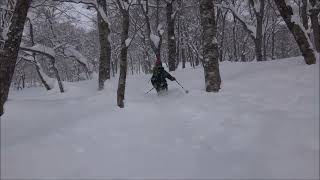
x=158, y=78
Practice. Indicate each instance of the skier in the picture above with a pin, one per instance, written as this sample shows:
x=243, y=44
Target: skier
x=159, y=76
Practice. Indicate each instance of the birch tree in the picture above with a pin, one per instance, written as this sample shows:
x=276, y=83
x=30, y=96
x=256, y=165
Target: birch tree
x=124, y=7
x=210, y=46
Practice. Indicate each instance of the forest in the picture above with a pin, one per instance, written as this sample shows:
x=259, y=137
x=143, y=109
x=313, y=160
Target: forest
x=125, y=36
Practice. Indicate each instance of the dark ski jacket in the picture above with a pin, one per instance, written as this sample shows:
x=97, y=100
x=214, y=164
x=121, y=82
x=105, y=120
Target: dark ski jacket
x=158, y=78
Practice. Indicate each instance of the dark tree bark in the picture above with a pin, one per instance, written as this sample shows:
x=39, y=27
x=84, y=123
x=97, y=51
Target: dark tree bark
x=123, y=58
x=314, y=13
x=171, y=37
x=43, y=81
x=222, y=36
x=23, y=77
x=300, y=36
x=234, y=40
x=265, y=46
x=258, y=41
x=158, y=48
x=183, y=55
x=178, y=44
x=304, y=15
x=131, y=64
x=273, y=39
x=105, y=47
x=316, y=30
x=183, y=44
x=210, y=46
x=9, y=53
x=56, y=73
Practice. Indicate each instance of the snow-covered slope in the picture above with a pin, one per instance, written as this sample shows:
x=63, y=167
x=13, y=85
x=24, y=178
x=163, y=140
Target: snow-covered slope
x=263, y=124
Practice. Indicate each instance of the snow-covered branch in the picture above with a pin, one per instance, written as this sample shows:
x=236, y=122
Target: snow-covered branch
x=41, y=49
x=71, y=51
x=249, y=28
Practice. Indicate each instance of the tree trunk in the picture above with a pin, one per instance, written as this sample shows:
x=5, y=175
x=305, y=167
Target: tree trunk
x=259, y=37
x=23, y=77
x=139, y=66
x=300, y=36
x=105, y=47
x=222, y=36
x=314, y=13
x=191, y=57
x=123, y=60
x=171, y=38
x=273, y=44
x=56, y=74
x=183, y=56
x=273, y=40
x=234, y=40
x=9, y=53
x=43, y=81
x=178, y=44
x=131, y=64
x=158, y=49
x=265, y=47
x=197, y=59
x=316, y=31
x=210, y=46
x=304, y=15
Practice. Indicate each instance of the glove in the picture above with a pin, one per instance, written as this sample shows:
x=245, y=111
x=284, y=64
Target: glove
x=173, y=79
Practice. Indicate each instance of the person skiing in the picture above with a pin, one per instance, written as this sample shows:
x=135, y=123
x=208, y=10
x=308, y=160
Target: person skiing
x=159, y=76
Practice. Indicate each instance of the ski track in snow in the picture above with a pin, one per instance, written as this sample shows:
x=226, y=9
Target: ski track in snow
x=263, y=124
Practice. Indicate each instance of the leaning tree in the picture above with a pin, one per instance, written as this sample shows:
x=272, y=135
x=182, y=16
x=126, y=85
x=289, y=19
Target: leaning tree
x=10, y=49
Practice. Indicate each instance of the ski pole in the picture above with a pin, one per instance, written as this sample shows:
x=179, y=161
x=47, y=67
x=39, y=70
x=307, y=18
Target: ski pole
x=182, y=87
x=149, y=90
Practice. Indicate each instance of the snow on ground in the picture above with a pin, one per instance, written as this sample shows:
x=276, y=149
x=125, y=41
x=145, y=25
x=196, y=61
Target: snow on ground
x=263, y=124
